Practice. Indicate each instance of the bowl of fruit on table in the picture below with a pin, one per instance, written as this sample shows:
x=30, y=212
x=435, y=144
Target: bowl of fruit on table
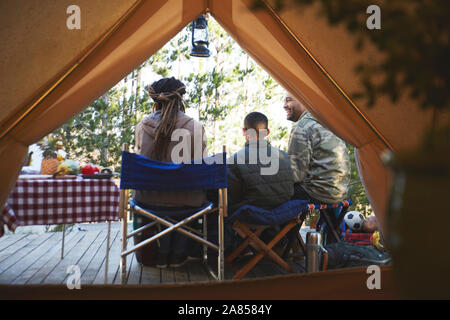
x=91, y=171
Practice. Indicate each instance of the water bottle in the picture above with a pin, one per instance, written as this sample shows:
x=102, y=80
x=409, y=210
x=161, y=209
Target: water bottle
x=314, y=252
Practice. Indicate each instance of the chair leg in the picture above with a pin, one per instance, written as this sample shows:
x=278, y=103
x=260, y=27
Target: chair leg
x=291, y=239
x=62, y=244
x=205, y=236
x=301, y=243
x=123, y=264
x=220, y=262
x=342, y=215
x=229, y=258
x=268, y=248
x=330, y=224
x=107, y=252
x=297, y=238
x=124, y=215
x=264, y=249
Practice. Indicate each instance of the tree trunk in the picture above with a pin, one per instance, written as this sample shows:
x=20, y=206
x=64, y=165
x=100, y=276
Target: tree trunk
x=136, y=94
x=246, y=86
x=104, y=123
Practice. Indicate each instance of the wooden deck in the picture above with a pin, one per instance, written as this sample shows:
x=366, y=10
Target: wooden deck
x=36, y=259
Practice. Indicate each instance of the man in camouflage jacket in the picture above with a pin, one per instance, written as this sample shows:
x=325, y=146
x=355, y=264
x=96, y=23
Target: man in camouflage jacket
x=319, y=160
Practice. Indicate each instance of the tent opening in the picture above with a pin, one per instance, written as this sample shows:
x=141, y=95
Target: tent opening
x=221, y=91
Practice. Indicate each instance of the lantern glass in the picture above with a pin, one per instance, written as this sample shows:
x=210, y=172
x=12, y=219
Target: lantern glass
x=201, y=37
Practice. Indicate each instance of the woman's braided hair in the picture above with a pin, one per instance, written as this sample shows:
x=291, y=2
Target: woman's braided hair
x=167, y=94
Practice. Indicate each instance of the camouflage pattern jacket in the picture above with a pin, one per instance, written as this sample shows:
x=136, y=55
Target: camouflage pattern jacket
x=320, y=161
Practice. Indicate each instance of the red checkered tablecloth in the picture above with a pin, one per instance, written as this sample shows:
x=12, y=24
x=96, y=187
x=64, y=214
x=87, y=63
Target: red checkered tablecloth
x=60, y=201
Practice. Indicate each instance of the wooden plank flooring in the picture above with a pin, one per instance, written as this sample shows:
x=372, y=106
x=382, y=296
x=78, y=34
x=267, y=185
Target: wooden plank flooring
x=36, y=259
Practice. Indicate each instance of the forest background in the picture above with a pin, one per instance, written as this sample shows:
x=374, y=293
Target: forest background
x=221, y=90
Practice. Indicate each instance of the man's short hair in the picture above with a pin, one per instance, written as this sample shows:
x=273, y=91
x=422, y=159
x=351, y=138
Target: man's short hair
x=256, y=121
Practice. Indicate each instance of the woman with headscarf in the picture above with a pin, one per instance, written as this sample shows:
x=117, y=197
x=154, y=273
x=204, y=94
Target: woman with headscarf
x=153, y=140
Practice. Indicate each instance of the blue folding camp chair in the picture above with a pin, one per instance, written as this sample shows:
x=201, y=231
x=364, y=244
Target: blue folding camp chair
x=141, y=173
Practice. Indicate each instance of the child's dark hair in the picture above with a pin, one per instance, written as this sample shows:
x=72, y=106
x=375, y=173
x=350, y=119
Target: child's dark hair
x=256, y=121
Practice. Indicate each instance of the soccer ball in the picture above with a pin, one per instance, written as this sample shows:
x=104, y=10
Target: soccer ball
x=354, y=220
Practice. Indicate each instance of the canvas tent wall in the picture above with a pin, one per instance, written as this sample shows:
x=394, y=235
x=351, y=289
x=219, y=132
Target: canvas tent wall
x=50, y=73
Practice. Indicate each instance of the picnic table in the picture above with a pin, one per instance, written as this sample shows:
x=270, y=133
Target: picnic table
x=48, y=201
x=60, y=201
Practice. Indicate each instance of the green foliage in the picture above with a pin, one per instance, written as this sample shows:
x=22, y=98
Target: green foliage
x=413, y=39
x=312, y=217
x=49, y=146
x=96, y=135
x=356, y=192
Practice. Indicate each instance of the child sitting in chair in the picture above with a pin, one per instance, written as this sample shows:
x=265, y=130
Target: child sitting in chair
x=258, y=174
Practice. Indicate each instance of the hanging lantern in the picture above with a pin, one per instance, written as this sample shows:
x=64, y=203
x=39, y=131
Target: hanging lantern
x=200, y=40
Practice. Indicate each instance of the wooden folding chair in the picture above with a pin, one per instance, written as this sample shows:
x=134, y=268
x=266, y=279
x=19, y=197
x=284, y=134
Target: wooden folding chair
x=250, y=235
x=332, y=222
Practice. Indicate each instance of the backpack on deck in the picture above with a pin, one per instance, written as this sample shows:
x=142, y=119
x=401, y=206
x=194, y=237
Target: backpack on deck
x=346, y=255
